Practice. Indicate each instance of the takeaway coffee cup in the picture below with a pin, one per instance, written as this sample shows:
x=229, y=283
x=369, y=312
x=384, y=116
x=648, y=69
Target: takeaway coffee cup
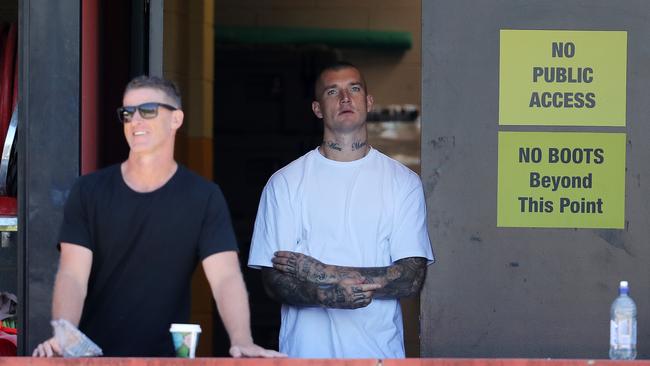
x=185, y=337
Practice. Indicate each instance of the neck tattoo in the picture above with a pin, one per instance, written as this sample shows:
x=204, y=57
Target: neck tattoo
x=333, y=145
x=357, y=145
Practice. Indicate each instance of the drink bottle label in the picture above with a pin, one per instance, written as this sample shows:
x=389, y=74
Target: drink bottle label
x=622, y=333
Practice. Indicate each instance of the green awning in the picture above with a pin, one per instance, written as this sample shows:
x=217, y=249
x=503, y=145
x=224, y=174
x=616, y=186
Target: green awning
x=347, y=38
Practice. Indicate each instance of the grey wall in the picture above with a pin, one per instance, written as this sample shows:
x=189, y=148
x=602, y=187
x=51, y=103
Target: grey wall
x=48, y=150
x=521, y=292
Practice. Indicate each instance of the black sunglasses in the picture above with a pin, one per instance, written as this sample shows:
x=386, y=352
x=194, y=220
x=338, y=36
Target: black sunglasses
x=146, y=110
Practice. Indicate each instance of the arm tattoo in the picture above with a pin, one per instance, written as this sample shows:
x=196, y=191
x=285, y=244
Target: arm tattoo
x=404, y=278
x=291, y=290
x=288, y=289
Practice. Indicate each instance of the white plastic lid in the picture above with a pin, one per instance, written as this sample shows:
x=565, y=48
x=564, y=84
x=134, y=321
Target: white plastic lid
x=623, y=284
x=185, y=328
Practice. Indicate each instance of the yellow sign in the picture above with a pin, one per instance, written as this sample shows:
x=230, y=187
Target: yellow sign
x=561, y=179
x=562, y=78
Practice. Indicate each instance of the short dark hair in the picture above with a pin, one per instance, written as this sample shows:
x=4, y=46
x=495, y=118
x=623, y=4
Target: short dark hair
x=336, y=66
x=154, y=82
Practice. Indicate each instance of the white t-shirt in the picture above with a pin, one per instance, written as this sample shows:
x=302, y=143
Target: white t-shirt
x=364, y=213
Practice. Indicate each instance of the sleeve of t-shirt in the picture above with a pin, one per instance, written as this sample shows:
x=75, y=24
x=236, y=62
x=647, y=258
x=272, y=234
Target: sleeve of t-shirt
x=75, y=227
x=410, y=237
x=217, y=234
x=274, y=225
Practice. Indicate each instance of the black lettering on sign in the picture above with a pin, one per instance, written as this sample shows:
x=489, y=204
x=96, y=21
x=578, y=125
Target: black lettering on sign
x=529, y=204
x=583, y=206
x=561, y=74
x=527, y=154
x=561, y=49
x=578, y=155
x=562, y=100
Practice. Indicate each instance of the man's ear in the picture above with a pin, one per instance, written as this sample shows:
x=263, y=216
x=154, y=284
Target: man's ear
x=370, y=100
x=315, y=107
x=177, y=119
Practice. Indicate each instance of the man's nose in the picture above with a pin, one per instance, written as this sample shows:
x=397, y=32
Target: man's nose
x=345, y=96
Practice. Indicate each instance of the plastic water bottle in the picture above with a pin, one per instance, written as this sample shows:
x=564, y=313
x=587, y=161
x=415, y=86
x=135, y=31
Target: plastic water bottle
x=622, y=326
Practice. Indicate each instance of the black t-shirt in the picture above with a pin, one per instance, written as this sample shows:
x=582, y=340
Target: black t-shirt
x=145, y=248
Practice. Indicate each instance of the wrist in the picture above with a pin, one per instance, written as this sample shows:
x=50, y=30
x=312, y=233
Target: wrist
x=241, y=339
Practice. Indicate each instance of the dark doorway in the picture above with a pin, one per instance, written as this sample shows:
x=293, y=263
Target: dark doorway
x=263, y=121
x=123, y=54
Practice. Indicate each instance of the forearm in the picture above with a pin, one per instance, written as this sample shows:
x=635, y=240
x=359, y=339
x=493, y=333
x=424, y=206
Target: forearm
x=68, y=298
x=287, y=289
x=232, y=303
x=404, y=278
x=401, y=279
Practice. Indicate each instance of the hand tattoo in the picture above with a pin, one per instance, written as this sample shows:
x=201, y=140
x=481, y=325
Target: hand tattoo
x=305, y=268
x=345, y=295
x=349, y=294
x=403, y=278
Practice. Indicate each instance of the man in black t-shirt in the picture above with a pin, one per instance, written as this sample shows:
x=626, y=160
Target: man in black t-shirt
x=132, y=235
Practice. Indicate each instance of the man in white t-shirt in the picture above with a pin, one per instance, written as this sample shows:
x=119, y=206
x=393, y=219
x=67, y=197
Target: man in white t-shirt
x=341, y=235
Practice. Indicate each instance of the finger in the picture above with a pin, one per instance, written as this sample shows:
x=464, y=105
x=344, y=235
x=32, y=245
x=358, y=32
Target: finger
x=362, y=302
x=37, y=351
x=254, y=351
x=55, y=347
x=351, y=281
x=358, y=304
x=280, y=260
x=280, y=267
x=283, y=253
x=370, y=286
x=359, y=297
x=272, y=354
x=362, y=279
x=285, y=269
x=235, y=352
x=46, y=349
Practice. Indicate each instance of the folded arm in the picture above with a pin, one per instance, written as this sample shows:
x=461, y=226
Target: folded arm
x=403, y=278
x=349, y=293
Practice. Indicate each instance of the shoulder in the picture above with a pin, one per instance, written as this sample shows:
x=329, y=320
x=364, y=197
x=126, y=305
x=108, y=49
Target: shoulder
x=101, y=174
x=291, y=174
x=400, y=172
x=98, y=178
x=191, y=182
